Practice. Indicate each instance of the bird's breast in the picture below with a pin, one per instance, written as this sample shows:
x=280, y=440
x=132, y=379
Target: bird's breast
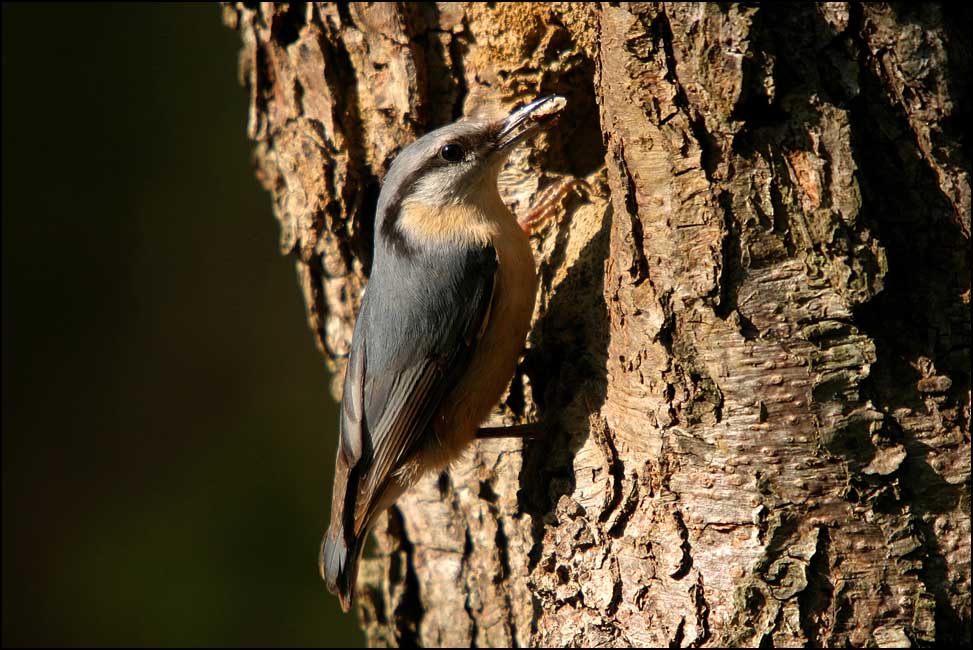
x=484, y=222
x=495, y=356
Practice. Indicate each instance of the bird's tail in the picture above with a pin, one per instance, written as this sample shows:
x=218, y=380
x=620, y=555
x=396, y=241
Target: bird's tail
x=338, y=563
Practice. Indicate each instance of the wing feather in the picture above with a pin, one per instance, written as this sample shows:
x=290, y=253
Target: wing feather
x=399, y=429
x=402, y=392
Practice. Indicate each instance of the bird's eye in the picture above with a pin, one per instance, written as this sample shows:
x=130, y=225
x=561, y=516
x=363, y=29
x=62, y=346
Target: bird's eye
x=452, y=152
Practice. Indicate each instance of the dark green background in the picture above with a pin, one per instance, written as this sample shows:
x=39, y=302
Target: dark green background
x=168, y=440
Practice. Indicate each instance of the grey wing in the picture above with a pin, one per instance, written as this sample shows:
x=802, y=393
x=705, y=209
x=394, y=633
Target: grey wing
x=413, y=349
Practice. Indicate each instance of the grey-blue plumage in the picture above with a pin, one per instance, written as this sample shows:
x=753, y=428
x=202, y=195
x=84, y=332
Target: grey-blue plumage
x=441, y=325
x=408, y=349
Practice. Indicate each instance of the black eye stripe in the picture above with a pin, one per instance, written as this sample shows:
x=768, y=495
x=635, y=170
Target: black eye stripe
x=452, y=152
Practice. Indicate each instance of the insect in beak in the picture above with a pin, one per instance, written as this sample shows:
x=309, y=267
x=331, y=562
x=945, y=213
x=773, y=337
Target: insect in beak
x=526, y=120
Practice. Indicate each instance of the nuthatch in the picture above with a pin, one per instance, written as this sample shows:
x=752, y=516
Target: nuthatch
x=442, y=322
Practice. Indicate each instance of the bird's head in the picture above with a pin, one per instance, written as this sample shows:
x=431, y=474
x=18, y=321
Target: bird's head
x=453, y=170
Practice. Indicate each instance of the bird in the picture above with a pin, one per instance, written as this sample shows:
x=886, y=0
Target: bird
x=442, y=322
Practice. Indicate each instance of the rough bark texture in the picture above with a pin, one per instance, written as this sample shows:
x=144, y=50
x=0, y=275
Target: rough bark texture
x=752, y=334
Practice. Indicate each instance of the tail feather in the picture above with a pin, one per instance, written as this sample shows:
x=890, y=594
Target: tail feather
x=338, y=563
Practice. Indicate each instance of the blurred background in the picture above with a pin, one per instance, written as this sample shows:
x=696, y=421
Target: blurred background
x=168, y=438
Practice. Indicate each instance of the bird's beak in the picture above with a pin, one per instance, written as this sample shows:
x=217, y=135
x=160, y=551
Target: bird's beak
x=526, y=120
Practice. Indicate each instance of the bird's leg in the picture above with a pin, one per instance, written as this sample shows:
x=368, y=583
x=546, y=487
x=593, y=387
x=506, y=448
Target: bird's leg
x=529, y=430
x=548, y=202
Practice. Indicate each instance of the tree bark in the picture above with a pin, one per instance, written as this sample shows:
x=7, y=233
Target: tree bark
x=751, y=341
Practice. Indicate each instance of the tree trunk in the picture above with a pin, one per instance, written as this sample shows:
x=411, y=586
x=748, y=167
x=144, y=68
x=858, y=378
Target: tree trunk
x=751, y=339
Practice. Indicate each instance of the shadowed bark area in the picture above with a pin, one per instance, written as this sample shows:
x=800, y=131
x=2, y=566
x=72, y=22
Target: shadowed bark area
x=751, y=339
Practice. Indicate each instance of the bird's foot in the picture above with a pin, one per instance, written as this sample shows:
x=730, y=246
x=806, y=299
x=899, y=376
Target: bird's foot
x=548, y=203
